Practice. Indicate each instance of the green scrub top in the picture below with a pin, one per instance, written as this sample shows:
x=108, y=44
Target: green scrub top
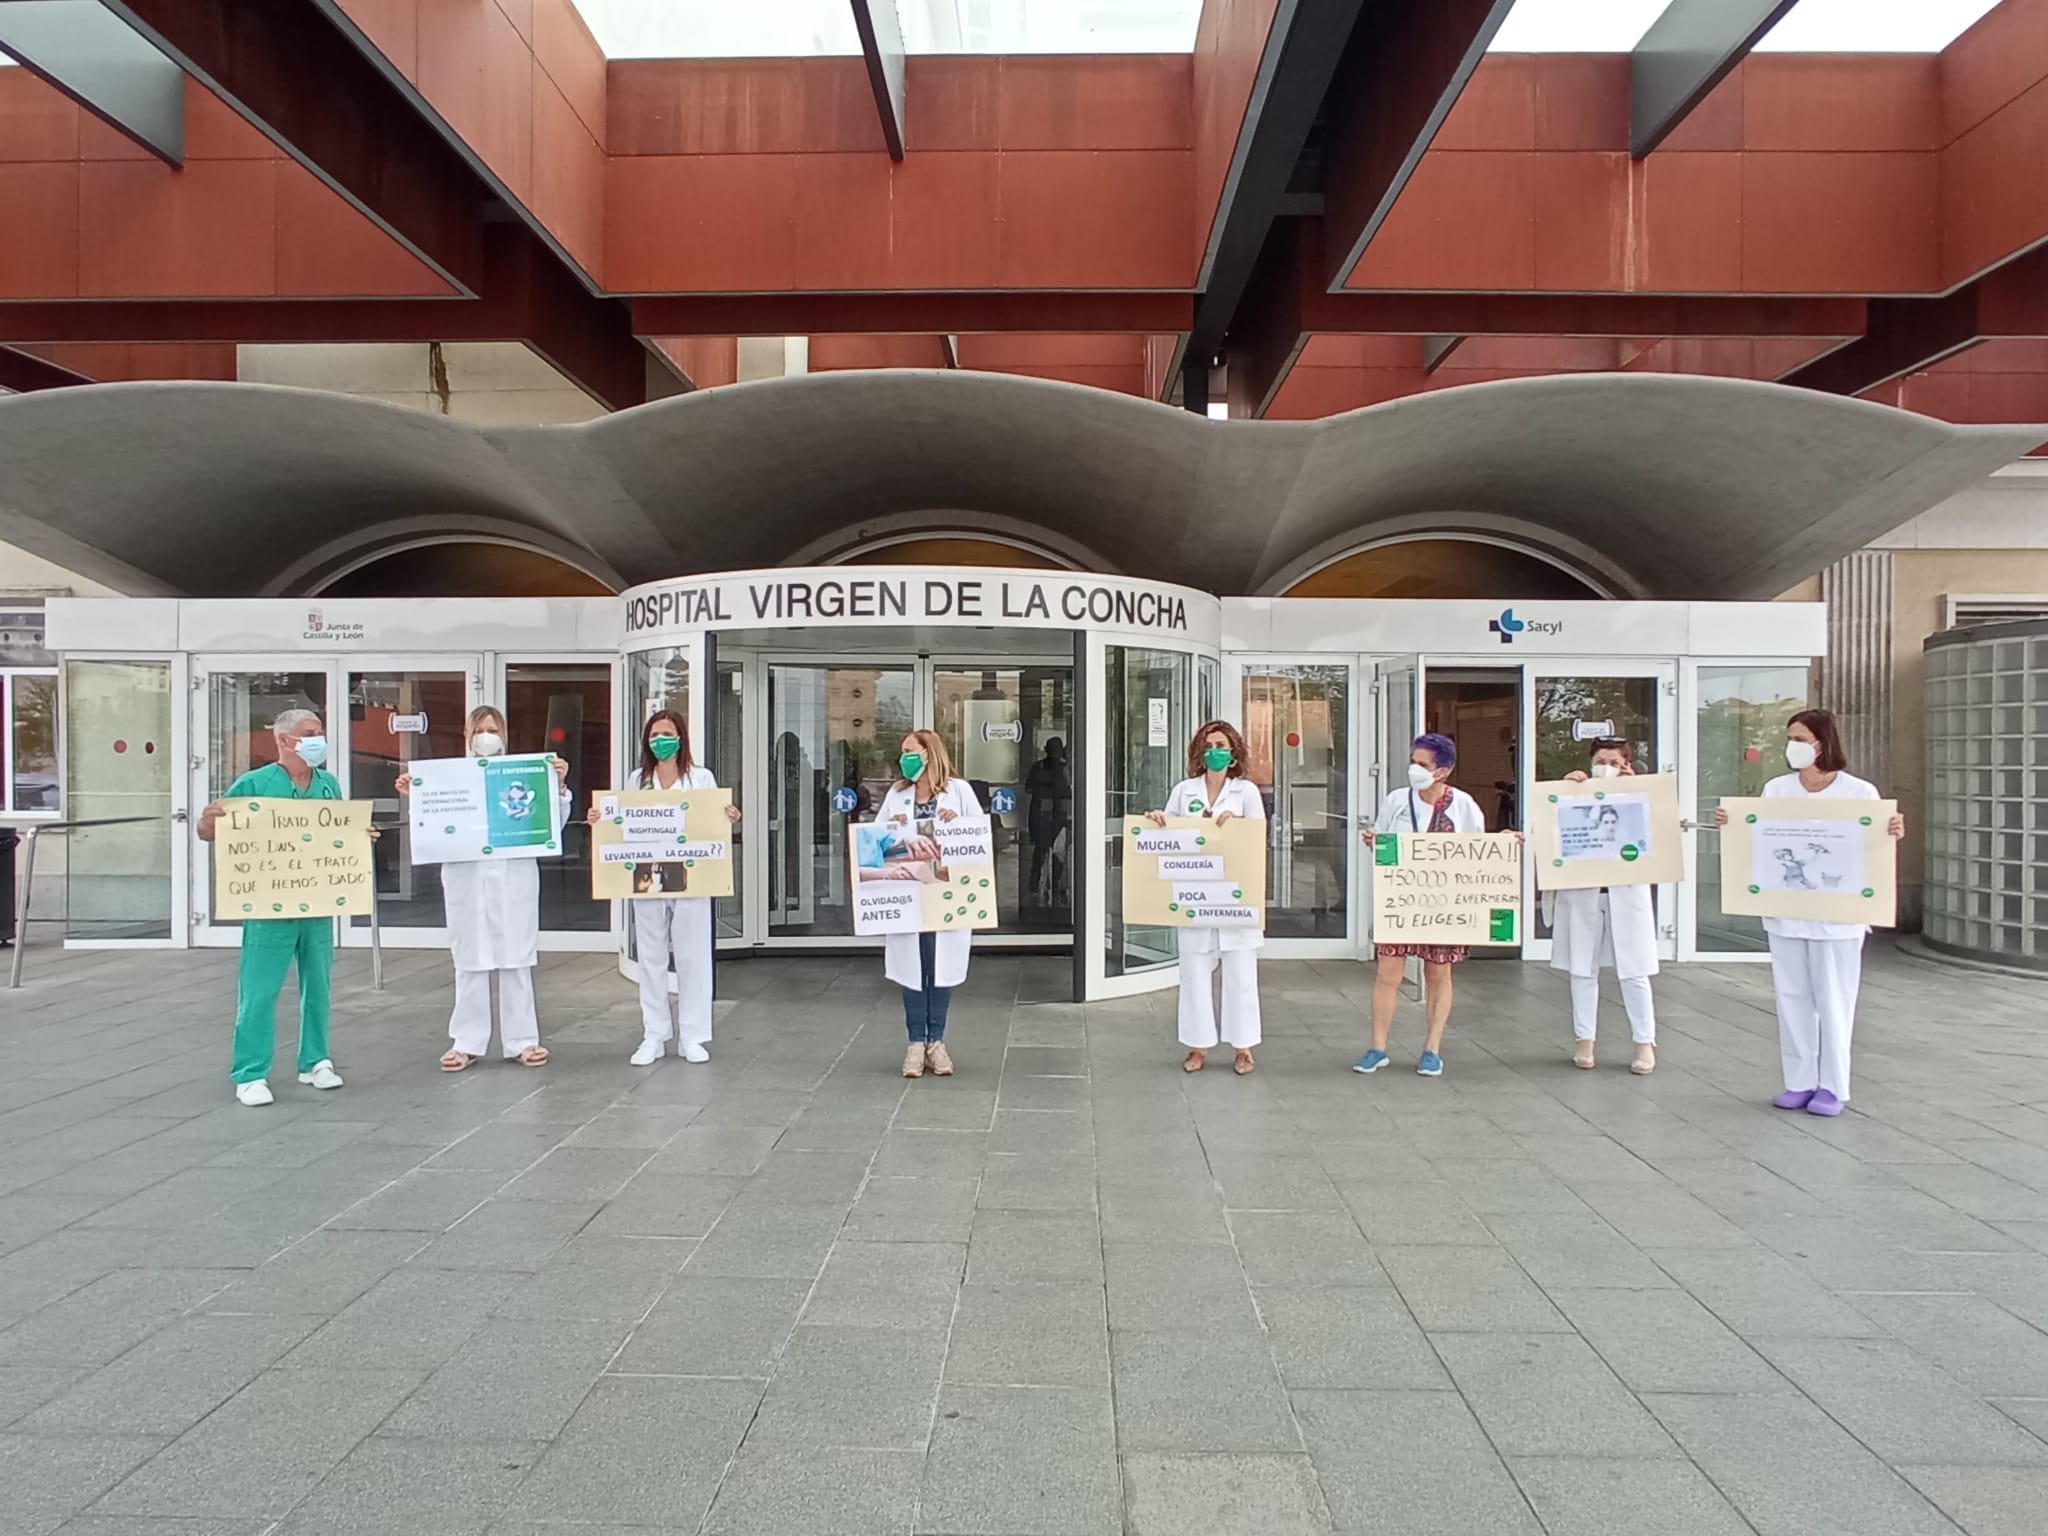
x=272, y=782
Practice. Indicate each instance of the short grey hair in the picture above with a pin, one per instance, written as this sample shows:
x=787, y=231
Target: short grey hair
x=292, y=719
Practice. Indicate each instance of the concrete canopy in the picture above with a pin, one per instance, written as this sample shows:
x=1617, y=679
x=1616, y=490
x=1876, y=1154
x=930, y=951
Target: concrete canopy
x=1650, y=485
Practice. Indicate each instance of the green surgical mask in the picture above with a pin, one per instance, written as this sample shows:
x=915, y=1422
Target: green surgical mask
x=912, y=764
x=1216, y=759
x=664, y=747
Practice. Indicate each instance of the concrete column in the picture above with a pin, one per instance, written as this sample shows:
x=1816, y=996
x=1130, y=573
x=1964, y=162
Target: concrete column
x=1854, y=680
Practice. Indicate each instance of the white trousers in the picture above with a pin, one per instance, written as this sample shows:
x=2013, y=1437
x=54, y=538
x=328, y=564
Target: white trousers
x=469, y=1027
x=1240, y=998
x=681, y=927
x=1635, y=997
x=1816, y=982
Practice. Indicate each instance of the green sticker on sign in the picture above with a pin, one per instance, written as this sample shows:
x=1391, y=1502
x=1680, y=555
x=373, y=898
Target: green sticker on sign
x=1867, y=891
x=1557, y=863
x=1553, y=799
x=1864, y=819
x=1386, y=848
x=304, y=908
x=449, y=831
x=1751, y=817
x=248, y=906
x=1599, y=794
x=1630, y=853
x=1500, y=925
x=337, y=842
x=1136, y=829
x=487, y=847
x=1756, y=890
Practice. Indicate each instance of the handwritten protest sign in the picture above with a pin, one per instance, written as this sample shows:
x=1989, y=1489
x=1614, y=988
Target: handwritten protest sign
x=1192, y=873
x=291, y=858
x=915, y=877
x=661, y=842
x=1447, y=888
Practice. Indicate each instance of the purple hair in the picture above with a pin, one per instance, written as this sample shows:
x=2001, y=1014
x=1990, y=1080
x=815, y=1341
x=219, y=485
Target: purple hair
x=1443, y=752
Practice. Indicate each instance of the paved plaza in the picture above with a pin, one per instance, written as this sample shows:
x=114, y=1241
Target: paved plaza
x=1070, y=1290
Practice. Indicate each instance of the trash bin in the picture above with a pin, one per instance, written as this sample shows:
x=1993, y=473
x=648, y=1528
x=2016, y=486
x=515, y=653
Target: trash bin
x=9, y=838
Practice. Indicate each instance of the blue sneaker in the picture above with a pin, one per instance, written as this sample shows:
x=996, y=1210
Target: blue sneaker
x=1371, y=1061
x=1431, y=1064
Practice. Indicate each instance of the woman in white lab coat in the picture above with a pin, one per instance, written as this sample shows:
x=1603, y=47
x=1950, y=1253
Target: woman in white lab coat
x=1217, y=788
x=1613, y=926
x=493, y=929
x=927, y=966
x=1816, y=967
x=1428, y=802
x=672, y=926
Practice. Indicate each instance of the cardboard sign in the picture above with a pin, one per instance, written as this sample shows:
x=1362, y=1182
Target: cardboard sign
x=1446, y=888
x=1606, y=832
x=923, y=876
x=467, y=809
x=661, y=842
x=1830, y=861
x=1194, y=874
x=292, y=858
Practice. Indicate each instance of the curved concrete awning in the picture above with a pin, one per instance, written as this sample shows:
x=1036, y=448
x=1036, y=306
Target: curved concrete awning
x=1653, y=485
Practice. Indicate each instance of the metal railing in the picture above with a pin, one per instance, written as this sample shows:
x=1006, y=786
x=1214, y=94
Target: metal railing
x=25, y=885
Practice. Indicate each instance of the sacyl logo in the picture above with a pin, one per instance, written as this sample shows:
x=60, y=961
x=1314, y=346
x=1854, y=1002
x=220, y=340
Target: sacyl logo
x=1507, y=626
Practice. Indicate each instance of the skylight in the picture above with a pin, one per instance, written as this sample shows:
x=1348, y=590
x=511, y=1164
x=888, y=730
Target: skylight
x=1811, y=26
x=680, y=29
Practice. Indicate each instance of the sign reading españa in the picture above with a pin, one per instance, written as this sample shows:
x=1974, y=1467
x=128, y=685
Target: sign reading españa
x=1447, y=888
x=914, y=877
x=1192, y=873
x=661, y=842
x=291, y=858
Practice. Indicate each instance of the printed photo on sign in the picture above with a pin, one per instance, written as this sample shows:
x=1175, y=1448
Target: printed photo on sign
x=1802, y=855
x=1616, y=826
x=909, y=877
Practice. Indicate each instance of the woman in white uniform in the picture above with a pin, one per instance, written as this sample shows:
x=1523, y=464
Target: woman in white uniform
x=1217, y=788
x=1427, y=803
x=677, y=927
x=1816, y=967
x=493, y=930
x=1614, y=927
x=927, y=966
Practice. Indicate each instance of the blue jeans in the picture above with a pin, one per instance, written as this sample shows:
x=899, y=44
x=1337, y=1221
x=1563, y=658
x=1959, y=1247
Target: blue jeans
x=924, y=1013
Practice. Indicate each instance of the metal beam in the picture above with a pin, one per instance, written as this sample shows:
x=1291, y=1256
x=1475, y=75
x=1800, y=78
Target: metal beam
x=24, y=372
x=286, y=68
x=906, y=314
x=1436, y=348
x=881, y=43
x=1689, y=49
x=103, y=64
x=1396, y=84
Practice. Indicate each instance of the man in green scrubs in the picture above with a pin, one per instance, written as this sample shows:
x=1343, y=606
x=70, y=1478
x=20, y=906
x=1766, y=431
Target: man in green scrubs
x=268, y=948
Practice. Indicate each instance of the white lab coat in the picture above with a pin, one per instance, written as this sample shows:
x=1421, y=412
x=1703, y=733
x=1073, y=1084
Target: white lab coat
x=494, y=925
x=1204, y=950
x=1588, y=932
x=1240, y=797
x=1816, y=970
x=949, y=956
x=678, y=926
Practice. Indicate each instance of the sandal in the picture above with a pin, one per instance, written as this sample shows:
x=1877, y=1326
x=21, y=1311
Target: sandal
x=458, y=1061
x=1195, y=1061
x=532, y=1056
x=1582, y=1056
x=1244, y=1065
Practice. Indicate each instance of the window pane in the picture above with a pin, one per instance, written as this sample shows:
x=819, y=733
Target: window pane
x=117, y=763
x=566, y=708
x=1297, y=725
x=31, y=706
x=1741, y=724
x=1145, y=706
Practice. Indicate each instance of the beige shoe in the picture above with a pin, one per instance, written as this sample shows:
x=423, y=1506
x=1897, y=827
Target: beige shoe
x=1582, y=1056
x=913, y=1060
x=935, y=1056
x=1645, y=1062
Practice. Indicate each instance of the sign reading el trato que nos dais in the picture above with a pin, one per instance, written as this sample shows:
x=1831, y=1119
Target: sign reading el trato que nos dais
x=277, y=859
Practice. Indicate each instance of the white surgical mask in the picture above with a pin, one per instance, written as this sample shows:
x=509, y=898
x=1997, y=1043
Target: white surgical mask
x=1604, y=771
x=1419, y=777
x=487, y=744
x=1799, y=755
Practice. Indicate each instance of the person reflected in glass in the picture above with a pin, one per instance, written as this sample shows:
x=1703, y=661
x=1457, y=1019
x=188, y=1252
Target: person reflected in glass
x=1427, y=803
x=1816, y=967
x=1048, y=804
x=1216, y=789
x=927, y=966
x=1611, y=926
x=493, y=929
x=672, y=928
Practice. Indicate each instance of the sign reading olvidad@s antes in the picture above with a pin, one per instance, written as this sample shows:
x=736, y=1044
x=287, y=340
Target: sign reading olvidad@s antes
x=1192, y=873
x=1446, y=888
x=275, y=859
x=661, y=842
x=919, y=876
x=468, y=809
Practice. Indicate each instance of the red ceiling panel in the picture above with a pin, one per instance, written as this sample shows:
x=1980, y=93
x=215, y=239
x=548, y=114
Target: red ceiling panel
x=843, y=221
x=564, y=48
x=206, y=231
x=947, y=218
x=326, y=249
x=710, y=223
x=393, y=27
x=43, y=198
x=568, y=173
x=477, y=72
x=36, y=123
x=1689, y=238
x=1841, y=102
x=1839, y=223
x=1135, y=101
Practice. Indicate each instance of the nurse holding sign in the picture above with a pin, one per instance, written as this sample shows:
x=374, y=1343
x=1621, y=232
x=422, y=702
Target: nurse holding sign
x=1217, y=790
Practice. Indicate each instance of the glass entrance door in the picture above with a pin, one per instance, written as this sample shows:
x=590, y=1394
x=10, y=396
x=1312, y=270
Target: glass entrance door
x=1298, y=726
x=1736, y=713
x=564, y=706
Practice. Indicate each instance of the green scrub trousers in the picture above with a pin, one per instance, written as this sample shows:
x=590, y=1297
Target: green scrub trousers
x=268, y=950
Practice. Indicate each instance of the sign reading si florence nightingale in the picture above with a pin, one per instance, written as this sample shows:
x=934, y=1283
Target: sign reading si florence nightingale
x=291, y=858
x=1192, y=873
x=1447, y=888
x=911, y=877
x=661, y=842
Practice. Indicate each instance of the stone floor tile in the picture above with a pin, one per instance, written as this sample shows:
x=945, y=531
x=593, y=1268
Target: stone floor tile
x=869, y=1387
x=1985, y=1501
x=1597, y=1496
x=1199, y=1391
x=1477, y=1289
x=1549, y=1394
x=780, y=1490
x=715, y=1326
x=1025, y=1461
x=1331, y=1336
x=910, y=1210
x=1046, y=1333
x=1898, y=1405
x=515, y=1380
x=1412, y=1462
x=1665, y=1341
x=173, y=1379
x=1034, y=1245
x=1223, y=1495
